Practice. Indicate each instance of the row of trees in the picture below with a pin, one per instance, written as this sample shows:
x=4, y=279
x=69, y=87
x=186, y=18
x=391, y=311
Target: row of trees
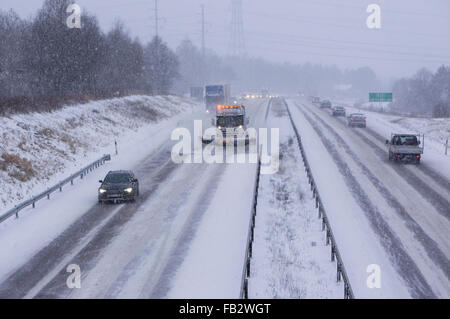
x=253, y=74
x=43, y=57
x=425, y=93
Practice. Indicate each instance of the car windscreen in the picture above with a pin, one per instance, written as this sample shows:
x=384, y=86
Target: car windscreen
x=117, y=178
x=230, y=121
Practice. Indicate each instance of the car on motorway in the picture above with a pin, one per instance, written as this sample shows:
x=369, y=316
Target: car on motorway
x=118, y=186
x=325, y=104
x=357, y=119
x=338, y=111
x=315, y=100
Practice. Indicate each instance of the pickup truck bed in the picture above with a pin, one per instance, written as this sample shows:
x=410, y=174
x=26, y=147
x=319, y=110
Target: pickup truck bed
x=403, y=151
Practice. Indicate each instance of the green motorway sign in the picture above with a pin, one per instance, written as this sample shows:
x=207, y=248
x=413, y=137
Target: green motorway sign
x=380, y=97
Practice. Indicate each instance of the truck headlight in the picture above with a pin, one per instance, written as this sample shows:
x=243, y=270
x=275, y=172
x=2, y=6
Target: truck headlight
x=101, y=190
x=128, y=190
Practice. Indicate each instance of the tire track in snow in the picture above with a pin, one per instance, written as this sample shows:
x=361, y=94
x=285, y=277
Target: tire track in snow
x=438, y=201
x=24, y=279
x=431, y=247
x=404, y=264
x=162, y=286
x=89, y=255
x=429, y=194
x=439, y=179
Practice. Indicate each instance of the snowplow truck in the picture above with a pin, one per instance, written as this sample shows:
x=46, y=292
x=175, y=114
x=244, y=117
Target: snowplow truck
x=406, y=147
x=231, y=124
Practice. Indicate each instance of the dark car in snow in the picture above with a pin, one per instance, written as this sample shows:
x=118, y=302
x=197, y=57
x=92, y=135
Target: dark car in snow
x=357, y=119
x=338, y=111
x=325, y=104
x=118, y=186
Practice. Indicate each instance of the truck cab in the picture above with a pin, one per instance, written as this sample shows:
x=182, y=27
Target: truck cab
x=231, y=122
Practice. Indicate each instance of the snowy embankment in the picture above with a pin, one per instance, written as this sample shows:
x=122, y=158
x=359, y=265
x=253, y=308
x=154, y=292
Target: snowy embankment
x=290, y=258
x=37, y=150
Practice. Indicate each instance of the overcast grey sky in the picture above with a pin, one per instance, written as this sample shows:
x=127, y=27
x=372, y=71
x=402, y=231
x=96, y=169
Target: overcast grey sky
x=413, y=34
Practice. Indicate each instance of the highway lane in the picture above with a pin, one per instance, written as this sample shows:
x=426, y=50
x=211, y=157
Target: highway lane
x=129, y=250
x=407, y=211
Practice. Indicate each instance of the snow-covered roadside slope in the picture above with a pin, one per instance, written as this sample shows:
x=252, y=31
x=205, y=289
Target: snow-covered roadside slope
x=39, y=149
x=290, y=258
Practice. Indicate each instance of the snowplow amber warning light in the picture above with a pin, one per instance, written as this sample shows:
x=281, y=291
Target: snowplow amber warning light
x=221, y=107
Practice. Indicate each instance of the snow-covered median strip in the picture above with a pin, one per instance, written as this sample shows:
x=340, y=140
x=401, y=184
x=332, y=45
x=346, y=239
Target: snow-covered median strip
x=290, y=258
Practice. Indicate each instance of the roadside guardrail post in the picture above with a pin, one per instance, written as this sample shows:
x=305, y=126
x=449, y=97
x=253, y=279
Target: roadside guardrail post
x=338, y=278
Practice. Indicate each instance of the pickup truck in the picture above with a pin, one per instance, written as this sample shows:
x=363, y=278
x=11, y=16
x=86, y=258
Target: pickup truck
x=406, y=147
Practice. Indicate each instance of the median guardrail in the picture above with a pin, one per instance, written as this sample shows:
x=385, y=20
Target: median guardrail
x=335, y=255
x=46, y=194
x=250, y=234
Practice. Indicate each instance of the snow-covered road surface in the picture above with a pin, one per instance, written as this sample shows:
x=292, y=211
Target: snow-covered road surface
x=382, y=213
x=183, y=237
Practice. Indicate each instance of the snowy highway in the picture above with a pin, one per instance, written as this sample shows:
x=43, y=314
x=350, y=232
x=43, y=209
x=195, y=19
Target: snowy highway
x=183, y=237
x=394, y=216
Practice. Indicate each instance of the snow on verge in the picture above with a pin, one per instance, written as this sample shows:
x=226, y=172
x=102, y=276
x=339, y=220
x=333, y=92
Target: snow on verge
x=290, y=259
x=38, y=150
x=22, y=238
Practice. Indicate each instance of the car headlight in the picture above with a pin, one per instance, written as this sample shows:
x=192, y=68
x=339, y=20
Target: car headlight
x=128, y=190
x=101, y=190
